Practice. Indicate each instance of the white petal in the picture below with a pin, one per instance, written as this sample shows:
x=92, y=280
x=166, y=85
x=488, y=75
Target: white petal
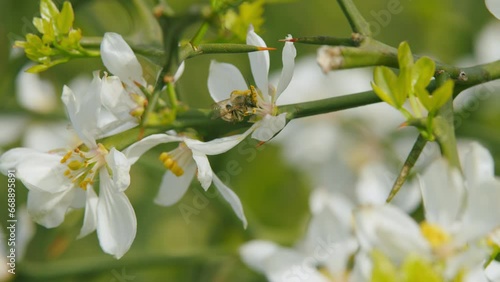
x=269, y=126
x=49, y=209
x=443, y=194
x=120, y=168
x=83, y=110
x=492, y=271
x=494, y=7
x=205, y=172
x=116, y=221
x=34, y=93
x=223, y=79
x=288, y=58
x=391, y=231
x=120, y=60
x=179, y=71
x=374, y=185
x=38, y=171
x=135, y=151
x=216, y=146
x=90, y=218
x=483, y=212
x=280, y=264
x=173, y=188
x=478, y=165
x=231, y=198
x=255, y=253
x=259, y=61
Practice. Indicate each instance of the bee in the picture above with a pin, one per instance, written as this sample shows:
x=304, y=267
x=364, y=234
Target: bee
x=241, y=103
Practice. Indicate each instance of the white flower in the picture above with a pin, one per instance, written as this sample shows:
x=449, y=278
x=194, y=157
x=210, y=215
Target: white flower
x=63, y=179
x=494, y=7
x=188, y=159
x=460, y=213
x=225, y=78
x=328, y=244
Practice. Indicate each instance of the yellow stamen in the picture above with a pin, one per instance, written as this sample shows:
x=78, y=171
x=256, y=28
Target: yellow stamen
x=66, y=157
x=75, y=165
x=434, y=234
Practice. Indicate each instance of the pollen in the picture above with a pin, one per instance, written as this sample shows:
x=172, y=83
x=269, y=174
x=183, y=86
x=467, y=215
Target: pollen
x=171, y=164
x=75, y=165
x=434, y=234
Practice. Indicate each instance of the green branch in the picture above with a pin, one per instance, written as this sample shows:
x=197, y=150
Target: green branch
x=356, y=20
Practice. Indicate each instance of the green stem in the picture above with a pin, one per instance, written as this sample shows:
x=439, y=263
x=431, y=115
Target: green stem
x=328, y=40
x=147, y=51
x=443, y=128
x=189, y=51
x=329, y=105
x=172, y=96
x=374, y=53
x=195, y=41
x=356, y=20
x=412, y=158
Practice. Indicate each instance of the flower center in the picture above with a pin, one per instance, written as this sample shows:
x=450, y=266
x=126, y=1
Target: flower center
x=176, y=159
x=82, y=166
x=434, y=234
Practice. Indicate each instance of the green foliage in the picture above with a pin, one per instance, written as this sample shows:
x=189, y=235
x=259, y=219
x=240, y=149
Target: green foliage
x=249, y=13
x=411, y=84
x=58, y=43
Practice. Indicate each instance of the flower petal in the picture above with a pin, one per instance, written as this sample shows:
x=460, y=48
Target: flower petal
x=255, y=253
x=90, y=218
x=179, y=71
x=83, y=110
x=49, y=209
x=38, y=171
x=216, y=146
x=288, y=57
x=269, y=126
x=205, y=172
x=389, y=230
x=443, y=194
x=494, y=7
x=135, y=151
x=478, y=165
x=231, y=198
x=259, y=61
x=483, y=212
x=223, y=79
x=120, y=60
x=173, y=188
x=116, y=221
x=120, y=168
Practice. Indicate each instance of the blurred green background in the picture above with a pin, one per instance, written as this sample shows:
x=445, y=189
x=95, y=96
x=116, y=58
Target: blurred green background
x=274, y=193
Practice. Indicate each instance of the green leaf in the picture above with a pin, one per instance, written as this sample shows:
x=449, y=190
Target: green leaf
x=37, y=68
x=443, y=94
x=386, y=86
x=422, y=72
x=248, y=13
x=38, y=23
x=425, y=98
x=64, y=21
x=405, y=60
x=48, y=10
